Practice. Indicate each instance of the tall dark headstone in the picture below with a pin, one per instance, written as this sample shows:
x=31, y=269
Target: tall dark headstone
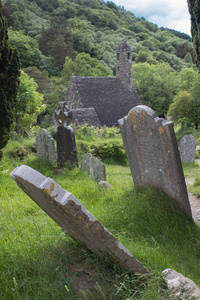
x=66, y=147
x=153, y=154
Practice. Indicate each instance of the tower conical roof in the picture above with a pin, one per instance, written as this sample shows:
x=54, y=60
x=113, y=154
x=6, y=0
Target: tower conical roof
x=123, y=46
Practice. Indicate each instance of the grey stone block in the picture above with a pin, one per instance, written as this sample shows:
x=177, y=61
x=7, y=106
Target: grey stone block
x=179, y=286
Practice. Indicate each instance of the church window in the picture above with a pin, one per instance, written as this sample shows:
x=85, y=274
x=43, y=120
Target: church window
x=117, y=56
x=128, y=55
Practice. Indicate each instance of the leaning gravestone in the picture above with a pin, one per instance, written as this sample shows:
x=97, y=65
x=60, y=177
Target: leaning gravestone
x=66, y=147
x=153, y=155
x=95, y=168
x=187, y=148
x=45, y=146
x=72, y=216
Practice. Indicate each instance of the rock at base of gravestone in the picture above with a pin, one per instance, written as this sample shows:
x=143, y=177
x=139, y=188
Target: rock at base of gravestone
x=104, y=184
x=187, y=148
x=72, y=216
x=95, y=168
x=180, y=286
x=66, y=147
x=153, y=154
x=45, y=146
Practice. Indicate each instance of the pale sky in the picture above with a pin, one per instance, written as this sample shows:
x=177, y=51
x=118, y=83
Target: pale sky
x=172, y=14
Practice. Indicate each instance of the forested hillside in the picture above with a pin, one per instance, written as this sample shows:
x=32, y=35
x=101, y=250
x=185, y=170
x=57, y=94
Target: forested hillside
x=58, y=38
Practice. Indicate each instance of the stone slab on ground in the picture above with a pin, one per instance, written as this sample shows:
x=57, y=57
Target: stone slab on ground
x=104, y=185
x=179, y=286
x=72, y=216
x=153, y=154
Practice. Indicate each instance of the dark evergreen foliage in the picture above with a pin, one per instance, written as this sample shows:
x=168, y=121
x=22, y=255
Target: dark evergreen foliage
x=194, y=9
x=9, y=81
x=56, y=41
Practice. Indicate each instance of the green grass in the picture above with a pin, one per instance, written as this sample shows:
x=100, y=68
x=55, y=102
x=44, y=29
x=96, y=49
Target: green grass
x=192, y=170
x=39, y=261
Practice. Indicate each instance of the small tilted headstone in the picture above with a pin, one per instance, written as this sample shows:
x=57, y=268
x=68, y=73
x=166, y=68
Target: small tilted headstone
x=187, y=148
x=95, y=168
x=104, y=185
x=72, y=216
x=45, y=146
x=153, y=154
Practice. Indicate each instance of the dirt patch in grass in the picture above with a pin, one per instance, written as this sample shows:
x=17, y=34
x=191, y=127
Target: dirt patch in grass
x=89, y=283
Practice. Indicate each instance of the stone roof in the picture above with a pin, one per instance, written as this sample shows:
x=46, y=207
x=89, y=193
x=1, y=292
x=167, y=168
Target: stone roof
x=123, y=46
x=107, y=95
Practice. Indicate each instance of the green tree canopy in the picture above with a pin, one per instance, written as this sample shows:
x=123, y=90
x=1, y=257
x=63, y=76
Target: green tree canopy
x=194, y=9
x=84, y=65
x=9, y=81
x=56, y=41
x=29, y=105
x=28, y=49
x=156, y=85
x=188, y=77
x=186, y=104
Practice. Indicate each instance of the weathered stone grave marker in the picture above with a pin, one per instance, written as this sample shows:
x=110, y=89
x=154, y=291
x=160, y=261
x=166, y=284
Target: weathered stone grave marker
x=45, y=146
x=153, y=154
x=66, y=144
x=72, y=216
x=95, y=168
x=187, y=148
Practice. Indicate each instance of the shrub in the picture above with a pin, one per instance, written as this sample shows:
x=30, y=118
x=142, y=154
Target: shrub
x=91, y=133
x=111, y=150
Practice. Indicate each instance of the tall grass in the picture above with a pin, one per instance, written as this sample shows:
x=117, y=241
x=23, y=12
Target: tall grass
x=39, y=261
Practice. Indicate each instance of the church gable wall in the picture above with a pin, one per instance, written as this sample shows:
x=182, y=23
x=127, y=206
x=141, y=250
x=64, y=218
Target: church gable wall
x=72, y=99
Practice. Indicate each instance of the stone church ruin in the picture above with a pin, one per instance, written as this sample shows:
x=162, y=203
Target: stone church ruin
x=102, y=101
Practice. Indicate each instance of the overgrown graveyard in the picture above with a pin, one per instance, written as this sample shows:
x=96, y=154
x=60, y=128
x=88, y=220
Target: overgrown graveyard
x=38, y=260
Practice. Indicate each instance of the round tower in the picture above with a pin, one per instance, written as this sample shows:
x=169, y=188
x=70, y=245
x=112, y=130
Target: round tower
x=124, y=64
